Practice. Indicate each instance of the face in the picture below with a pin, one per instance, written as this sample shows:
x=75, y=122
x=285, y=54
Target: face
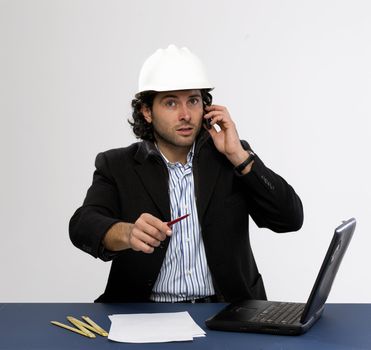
x=176, y=117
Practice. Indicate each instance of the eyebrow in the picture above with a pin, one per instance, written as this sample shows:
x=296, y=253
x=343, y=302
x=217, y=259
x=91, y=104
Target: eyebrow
x=177, y=97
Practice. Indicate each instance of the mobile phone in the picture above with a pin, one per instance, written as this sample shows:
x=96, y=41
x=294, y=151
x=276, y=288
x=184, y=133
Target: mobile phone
x=206, y=122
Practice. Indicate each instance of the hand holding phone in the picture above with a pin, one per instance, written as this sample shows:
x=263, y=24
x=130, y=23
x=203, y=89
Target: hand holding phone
x=224, y=133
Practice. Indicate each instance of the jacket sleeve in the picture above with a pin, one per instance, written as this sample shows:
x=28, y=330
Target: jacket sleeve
x=99, y=212
x=272, y=202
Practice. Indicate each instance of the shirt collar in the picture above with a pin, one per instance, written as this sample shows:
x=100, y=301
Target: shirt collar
x=189, y=156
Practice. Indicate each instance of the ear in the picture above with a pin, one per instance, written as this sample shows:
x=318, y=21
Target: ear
x=146, y=111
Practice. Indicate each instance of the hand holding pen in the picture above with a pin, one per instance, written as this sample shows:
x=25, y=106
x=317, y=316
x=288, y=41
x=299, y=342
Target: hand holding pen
x=148, y=232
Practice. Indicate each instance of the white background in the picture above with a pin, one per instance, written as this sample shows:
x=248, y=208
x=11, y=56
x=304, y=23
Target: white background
x=295, y=76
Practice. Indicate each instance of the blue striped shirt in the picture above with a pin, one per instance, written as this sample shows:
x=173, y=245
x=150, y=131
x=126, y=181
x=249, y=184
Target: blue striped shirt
x=184, y=273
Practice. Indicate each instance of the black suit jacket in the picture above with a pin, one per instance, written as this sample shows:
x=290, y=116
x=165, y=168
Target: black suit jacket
x=134, y=180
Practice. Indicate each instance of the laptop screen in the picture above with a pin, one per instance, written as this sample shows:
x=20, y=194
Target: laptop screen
x=329, y=268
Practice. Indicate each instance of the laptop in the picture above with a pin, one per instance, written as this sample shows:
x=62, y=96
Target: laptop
x=287, y=318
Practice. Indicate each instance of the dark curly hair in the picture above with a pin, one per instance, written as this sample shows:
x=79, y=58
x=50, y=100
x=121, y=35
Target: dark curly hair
x=141, y=128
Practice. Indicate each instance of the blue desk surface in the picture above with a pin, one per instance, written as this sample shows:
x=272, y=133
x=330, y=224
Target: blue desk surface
x=27, y=326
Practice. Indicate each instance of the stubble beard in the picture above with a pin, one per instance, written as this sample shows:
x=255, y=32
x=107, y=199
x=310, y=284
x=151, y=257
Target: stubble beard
x=175, y=141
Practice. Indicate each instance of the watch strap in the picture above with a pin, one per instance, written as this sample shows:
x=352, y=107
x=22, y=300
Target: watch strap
x=244, y=164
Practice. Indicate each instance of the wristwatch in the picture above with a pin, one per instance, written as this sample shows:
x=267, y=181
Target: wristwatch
x=244, y=164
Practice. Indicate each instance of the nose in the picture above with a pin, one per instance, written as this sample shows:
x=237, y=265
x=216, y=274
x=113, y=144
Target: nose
x=184, y=113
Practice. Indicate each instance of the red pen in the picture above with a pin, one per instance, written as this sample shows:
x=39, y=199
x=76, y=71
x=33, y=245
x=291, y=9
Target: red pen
x=172, y=222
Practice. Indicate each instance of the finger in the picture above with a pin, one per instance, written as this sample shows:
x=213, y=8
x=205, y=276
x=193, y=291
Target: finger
x=215, y=108
x=138, y=235
x=209, y=118
x=148, y=219
x=212, y=114
x=149, y=234
x=218, y=117
x=218, y=120
x=138, y=245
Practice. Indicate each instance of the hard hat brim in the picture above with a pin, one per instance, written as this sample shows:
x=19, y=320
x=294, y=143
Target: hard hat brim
x=139, y=93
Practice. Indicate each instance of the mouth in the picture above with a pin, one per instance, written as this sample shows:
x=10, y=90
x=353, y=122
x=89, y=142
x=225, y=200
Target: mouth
x=185, y=130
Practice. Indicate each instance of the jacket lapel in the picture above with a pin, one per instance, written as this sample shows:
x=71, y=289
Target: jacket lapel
x=154, y=177
x=206, y=171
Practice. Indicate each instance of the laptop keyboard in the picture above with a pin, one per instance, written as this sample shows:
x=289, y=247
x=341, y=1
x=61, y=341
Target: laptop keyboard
x=282, y=313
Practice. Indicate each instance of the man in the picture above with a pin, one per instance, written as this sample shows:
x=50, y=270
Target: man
x=181, y=166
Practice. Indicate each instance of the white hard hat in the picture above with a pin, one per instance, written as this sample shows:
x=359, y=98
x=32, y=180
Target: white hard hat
x=172, y=69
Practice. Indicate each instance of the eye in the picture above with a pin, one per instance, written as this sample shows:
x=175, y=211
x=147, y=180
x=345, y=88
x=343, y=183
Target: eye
x=194, y=100
x=170, y=103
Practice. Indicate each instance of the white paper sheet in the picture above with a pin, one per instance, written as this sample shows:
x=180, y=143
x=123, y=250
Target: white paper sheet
x=154, y=328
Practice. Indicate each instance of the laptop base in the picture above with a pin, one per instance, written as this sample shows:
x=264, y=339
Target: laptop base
x=248, y=316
